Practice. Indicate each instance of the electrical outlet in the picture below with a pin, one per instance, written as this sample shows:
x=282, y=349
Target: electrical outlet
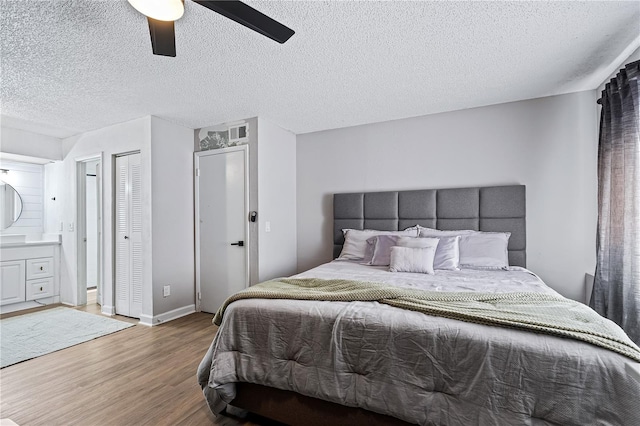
x=71, y=226
x=166, y=291
x=267, y=227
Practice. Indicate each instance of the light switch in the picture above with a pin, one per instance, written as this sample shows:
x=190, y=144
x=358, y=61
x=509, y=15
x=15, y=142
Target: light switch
x=70, y=226
x=267, y=227
x=61, y=228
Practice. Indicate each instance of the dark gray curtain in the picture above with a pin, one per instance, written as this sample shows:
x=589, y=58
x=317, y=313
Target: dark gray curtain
x=616, y=289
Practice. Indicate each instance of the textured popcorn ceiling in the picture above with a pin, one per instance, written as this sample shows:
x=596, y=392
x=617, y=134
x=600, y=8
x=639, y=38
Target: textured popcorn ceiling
x=74, y=66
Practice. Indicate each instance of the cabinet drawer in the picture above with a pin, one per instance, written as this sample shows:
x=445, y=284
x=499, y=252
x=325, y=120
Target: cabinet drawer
x=38, y=289
x=39, y=268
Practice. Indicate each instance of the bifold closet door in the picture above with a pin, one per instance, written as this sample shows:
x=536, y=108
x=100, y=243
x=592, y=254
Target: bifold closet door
x=128, y=244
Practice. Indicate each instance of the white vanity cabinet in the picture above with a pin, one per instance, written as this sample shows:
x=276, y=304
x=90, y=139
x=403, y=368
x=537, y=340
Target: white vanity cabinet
x=29, y=272
x=12, y=280
x=39, y=278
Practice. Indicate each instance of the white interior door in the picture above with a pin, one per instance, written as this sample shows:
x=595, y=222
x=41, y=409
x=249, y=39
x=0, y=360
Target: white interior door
x=128, y=245
x=91, y=224
x=222, y=210
x=99, y=232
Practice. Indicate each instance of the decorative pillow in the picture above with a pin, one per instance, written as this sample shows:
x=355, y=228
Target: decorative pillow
x=382, y=244
x=417, y=242
x=355, y=241
x=415, y=228
x=437, y=233
x=447, y=253
x=409, y=259
x=368, y=251
x=484, y=250
x=380, y=249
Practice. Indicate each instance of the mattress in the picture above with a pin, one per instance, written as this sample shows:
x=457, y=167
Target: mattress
x=419, y=368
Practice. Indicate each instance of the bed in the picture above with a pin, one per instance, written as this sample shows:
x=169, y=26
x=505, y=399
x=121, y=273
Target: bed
x=368, y=362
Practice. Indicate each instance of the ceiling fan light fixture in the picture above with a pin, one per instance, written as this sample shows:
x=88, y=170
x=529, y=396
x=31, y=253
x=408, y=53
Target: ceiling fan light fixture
x=162, y=10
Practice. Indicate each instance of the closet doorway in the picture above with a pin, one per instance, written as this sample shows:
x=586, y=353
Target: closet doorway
x=222, y=225
x=128, y=235
x=89, y=229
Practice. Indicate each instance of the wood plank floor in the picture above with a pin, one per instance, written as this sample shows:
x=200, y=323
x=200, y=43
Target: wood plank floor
x=138, y=376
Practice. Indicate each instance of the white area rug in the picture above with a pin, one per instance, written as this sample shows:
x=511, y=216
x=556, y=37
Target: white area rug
x=32, y=335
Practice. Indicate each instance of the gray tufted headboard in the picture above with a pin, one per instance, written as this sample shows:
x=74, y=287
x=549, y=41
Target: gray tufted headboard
x=493, y=208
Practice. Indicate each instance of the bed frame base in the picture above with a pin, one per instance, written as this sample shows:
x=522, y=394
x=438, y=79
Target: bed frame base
x=295, y=409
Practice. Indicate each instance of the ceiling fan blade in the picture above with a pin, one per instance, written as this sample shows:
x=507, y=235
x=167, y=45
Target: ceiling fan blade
x=163, y=37
x=250, y=18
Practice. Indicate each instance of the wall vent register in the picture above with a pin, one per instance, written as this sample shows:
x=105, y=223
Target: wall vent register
x=238, y=133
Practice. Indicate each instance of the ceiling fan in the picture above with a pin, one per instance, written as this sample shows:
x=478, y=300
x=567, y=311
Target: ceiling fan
x=161, y=15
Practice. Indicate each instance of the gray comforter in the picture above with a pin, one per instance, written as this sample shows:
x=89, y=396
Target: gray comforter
x=416, y=367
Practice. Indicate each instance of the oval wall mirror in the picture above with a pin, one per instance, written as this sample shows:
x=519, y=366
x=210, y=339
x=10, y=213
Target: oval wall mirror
x=10, y=205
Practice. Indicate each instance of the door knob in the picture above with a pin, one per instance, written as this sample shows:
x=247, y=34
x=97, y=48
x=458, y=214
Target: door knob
x=126, y=238
x=239, y=244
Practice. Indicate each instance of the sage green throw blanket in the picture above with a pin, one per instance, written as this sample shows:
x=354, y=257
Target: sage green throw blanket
x=542, y=313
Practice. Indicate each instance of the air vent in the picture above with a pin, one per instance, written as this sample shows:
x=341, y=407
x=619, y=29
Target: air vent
x=238, y=133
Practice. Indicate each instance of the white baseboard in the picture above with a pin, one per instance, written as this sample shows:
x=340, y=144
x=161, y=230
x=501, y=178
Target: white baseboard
x=20, y=306
x=108, y=310
x=149, y=320
x=146, y=320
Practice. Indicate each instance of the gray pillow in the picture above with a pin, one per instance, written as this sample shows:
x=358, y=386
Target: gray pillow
x=355, y=241
x=379, y=247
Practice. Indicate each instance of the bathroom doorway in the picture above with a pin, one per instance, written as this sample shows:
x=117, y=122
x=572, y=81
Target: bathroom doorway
x=89, y=230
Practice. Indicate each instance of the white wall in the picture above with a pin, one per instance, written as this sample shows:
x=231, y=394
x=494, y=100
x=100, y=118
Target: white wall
x=272, y=193
x=276, y=200
x=635, y=56
x=547, y=144
x=53, y=209
x=21, y=142
x=172, y=210
x=27, y=180
x=134, y=135
x=253, y=237
x=167, y=199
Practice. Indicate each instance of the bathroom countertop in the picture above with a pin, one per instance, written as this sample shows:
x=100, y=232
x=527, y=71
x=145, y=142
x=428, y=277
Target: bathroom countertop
x=28, y=241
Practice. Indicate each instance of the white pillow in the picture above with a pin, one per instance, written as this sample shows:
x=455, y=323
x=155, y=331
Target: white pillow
x=409, y=259
x=379, y=247
x=484, y=250
x=447, y=253
x=415, y=228
x=355, y=241
x=489, y=251
x=430, y=232
x=417, y=242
